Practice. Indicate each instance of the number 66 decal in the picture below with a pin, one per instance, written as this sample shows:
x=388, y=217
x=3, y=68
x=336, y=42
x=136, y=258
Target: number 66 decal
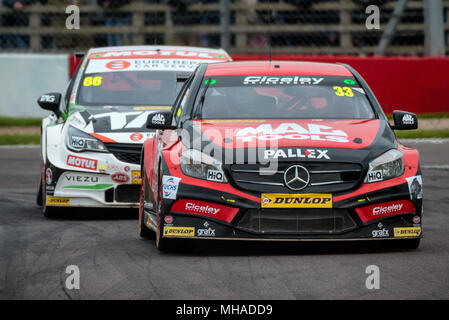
x=92, y=81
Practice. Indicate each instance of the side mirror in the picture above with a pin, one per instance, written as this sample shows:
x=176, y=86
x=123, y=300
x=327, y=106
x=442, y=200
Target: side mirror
x=51, y=102
x=404, y=120
x=160, y=120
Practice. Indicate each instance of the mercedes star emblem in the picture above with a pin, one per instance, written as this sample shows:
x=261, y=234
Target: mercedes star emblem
x=296, y=177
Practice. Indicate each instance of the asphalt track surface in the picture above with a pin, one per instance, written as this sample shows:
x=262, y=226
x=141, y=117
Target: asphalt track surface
x=115, y=263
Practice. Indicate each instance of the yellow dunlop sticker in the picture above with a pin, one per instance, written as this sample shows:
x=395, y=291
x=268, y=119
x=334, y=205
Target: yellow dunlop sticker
x=57, y=201
x=179, y=232
x=407, y=232
x=304, y=200
x=152, y=108
x=135, y=177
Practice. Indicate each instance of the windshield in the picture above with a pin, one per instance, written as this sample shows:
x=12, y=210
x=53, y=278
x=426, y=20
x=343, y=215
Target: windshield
x=282, y=97
x=129, y=88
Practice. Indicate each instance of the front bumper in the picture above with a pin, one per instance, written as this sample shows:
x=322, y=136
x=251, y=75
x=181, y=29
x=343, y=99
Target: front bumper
x=114, y=184
x=405, y=224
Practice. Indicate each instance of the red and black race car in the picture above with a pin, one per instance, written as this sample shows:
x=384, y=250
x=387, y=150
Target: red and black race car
x=279, y=151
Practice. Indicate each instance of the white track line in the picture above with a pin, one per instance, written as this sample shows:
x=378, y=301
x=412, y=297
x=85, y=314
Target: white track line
x=21, y=146
x=436, y=166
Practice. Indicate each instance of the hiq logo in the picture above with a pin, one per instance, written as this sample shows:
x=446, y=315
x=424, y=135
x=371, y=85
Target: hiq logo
x=375, y=176
x=214, y=175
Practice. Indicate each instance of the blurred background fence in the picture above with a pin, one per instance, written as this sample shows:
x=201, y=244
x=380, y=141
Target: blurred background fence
x=240, y=26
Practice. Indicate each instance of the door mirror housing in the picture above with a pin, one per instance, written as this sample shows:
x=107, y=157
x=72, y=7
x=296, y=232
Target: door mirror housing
x=404, y=120
x=51, y=102
x=160, y=120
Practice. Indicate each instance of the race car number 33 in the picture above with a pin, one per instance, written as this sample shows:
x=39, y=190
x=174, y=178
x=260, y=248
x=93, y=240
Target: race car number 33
x=304, y=200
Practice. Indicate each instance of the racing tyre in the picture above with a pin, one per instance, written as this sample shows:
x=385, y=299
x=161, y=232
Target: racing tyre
x=39, y=195
x=162, y=244
x=49, y=212
x=144, y=231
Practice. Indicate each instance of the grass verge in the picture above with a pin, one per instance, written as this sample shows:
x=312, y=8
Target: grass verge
x=18, y=122
x=421, y=134
x=440, y=115
x=10, y=139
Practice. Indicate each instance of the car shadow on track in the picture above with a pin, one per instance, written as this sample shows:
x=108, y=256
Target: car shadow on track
x=256, y=248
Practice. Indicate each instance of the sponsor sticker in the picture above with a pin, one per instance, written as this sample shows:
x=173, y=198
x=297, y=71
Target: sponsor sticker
x=136, y=177
x=304, y=200
x=415, y=187
x=158, y=118
x=385, y=209
x=170, y=187
x=179, y=232
x=296, y=153
x=408, y=119
x=375, y=176
x=204, y=208
x=118, y=65
x=48, y=176
x=81, y=178
x=292, y=131
x=215, y=175
x=281, y=80
x=168, y=219
x=382, y=233
x=120, y=177
x=206, y=232
x=80, y=162
x=407, y=232
x=136, y=64
x=158, y=54
x=47, y=98
x=136, y=136
x=57, y=201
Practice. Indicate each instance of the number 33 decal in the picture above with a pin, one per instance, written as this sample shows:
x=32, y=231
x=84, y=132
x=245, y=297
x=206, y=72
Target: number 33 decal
x=345, y=91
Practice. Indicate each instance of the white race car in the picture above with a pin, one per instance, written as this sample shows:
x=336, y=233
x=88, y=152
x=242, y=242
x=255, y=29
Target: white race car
x=91, y=145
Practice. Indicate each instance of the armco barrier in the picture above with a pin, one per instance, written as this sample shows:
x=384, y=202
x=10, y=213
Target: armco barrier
x=419, y=85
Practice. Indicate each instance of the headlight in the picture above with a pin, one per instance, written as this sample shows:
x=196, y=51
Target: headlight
x=387, y=166
x=78, y=140
x=199, y=165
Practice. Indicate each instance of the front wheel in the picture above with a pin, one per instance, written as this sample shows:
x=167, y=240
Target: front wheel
x=162, y=244
x=144, y=231
x=49, y=212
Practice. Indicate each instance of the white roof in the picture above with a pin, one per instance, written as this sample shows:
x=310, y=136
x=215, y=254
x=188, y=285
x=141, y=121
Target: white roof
x=152, y=58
